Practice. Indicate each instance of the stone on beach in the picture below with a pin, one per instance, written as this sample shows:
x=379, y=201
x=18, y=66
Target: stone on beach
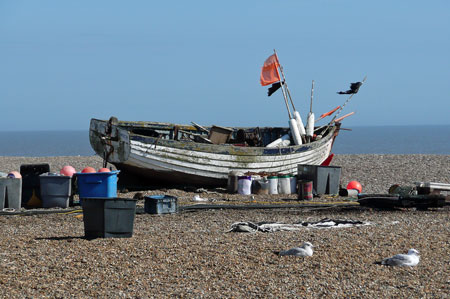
x=190, y=255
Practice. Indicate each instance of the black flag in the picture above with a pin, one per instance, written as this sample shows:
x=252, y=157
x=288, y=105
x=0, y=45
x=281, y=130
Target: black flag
x=354, y=87
x=273, y=88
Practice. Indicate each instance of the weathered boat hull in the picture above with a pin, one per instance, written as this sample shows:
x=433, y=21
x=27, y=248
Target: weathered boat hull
x=170, y=161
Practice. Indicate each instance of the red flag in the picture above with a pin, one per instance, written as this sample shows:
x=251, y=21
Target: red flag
x=269, y=72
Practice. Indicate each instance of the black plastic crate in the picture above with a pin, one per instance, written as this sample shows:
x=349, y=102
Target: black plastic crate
x=108, y=217
x=31, y=186
x=325, y=178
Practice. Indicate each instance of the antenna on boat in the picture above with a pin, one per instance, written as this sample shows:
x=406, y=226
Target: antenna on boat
x=310, y=120
x=348, y=100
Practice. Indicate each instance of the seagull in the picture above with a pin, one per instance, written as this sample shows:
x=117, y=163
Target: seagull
x=410, y=259
x=305, y=250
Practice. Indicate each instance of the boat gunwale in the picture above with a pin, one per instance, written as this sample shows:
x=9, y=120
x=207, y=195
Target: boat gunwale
x=218, y=148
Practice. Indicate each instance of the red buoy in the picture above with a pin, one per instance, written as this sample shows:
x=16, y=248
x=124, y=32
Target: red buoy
x=355, y=185
x=67, y=170
x=14, y=175
x=88, y=170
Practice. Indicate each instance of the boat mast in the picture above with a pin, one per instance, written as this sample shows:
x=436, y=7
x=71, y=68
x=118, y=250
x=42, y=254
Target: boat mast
x=282, y=89
x=284, y=83
x=297, y=117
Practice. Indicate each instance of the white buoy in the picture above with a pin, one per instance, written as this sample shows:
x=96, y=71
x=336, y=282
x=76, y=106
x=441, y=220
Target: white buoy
x=310, y=125
x=294, y=132
x=301, y=127
x=284, y=140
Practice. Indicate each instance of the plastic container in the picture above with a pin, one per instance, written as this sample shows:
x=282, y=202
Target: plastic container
x=31, y=185
x=325, y=178
x=160, y=204
x=97, y=184
x=305, y=189
x=293, y=181
x=10, y=193
x=349, y=192
x=273, y=184
x=260, y=186
x=284, y=184
x=245, y=185
x=232, y=185
x=55, y=190
x=108, y=217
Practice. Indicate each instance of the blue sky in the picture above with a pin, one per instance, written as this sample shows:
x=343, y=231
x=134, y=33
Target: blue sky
x=64, y=62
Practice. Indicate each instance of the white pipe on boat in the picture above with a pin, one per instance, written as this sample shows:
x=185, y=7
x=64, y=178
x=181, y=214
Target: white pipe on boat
x=295, y=132
x=284, y=140
x=301, y=127
x=310, y=125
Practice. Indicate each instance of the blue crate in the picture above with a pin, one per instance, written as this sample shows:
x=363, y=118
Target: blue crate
x=97, y=184
x=160, y=204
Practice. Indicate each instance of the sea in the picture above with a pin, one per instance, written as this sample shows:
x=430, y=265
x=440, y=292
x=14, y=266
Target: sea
x=360, y=140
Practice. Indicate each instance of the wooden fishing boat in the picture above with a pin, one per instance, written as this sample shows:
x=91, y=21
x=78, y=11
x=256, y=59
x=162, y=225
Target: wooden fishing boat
x=202, y=156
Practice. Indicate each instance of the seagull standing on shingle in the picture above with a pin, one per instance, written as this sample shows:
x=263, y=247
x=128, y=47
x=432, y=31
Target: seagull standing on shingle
x=305, y=250
x=410, y=259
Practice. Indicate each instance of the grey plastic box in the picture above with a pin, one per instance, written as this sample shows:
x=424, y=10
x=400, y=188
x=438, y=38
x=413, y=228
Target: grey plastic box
x=160, y=204
x=55, y=190
x=10, y=193
x=325, y=178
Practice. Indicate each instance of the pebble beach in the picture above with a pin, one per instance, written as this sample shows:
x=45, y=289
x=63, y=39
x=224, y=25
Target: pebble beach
x=192, y=254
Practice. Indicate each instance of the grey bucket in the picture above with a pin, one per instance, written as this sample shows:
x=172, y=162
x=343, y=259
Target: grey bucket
x=55, y=190
x=10, y=193
x=108, y=217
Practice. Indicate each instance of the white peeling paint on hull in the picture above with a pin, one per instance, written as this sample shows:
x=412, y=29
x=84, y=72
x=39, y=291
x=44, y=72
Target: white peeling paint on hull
x=151, y=151
x=212, y=165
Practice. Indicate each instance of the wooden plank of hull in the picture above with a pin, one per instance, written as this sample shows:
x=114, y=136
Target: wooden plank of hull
x=212, y=167
x=214, y=164
x=230, y=161
x=150, y=177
